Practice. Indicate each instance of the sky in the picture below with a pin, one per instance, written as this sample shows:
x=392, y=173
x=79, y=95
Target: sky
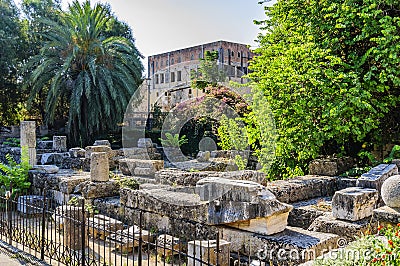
x=165, y=25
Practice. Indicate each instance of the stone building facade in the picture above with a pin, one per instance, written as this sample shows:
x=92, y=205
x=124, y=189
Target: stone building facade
x=170, y=73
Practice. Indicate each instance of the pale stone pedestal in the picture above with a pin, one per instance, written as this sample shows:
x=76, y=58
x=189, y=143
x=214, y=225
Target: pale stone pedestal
x=205, y=252
x=354, y=203
x=99, y=167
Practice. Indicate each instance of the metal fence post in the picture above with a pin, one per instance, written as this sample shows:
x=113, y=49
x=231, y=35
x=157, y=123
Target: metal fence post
x=9, y=213
x=140, y=238
x=218, y=250
x=83, y=220
x=43, y=225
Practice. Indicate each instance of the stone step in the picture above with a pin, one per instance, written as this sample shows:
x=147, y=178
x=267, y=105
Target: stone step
x=291, y=247
x=345, y=229
x=305, y=212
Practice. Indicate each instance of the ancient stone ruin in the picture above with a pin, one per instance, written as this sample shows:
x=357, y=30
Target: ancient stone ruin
x=308, y=214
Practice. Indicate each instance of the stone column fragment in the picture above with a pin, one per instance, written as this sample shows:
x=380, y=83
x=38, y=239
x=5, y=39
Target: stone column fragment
x=28, y=139
x=99, y=167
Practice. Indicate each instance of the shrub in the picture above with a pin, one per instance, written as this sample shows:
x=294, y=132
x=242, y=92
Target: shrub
x=15, y=173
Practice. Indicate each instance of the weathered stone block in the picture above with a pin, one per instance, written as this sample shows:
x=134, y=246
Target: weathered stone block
x=60, y=143
x=391, y=191
x=93, y=190
x=185, y=178
x=49, y=169
x=349, y=230
x=354, y=203
x=168, y=245
x=140, y=167
x=77, y=152
x=376, y=176
x=99, y=167
x=100, y=226
x=67, y=184
x=294, y=245
x=305, y=212
x=205, y=251
x=303, y=188
x=99, y=148
x=75, y=163
x=126, y=240
x=267, y=225
x=141, y=171
x=330, y=167
x=387, y=214
x=45, y=144
x=244, y=201
x=53, y=158
x=104, y=142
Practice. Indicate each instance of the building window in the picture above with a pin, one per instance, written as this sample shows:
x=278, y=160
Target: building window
x=179, y=76
x=161, y=63
x=172, y=61
x=156, y=78
x=162, y=78
x=238, y=54
x=172, y=76
x=233, y=54
x=199, y=55
x=157, y=94
x=179, y=59
x=192, y=57
x=166, y=62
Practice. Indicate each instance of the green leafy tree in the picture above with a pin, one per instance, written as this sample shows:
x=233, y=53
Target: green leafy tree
x=11, y=43
x=330, y=72
x=209, y=72
x=34, y=13
x=97, y=72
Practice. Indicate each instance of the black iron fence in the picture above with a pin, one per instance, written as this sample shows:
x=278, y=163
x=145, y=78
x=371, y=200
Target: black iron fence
x=75, y=234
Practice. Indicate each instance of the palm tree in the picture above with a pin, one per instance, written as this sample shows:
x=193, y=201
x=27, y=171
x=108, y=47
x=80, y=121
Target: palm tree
x=95, y=73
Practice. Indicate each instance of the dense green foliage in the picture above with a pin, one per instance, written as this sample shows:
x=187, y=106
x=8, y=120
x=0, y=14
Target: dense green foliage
x=15, y=174
x=83, y=64
x=173, y=140
x=11, y=43
x=330, y=72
